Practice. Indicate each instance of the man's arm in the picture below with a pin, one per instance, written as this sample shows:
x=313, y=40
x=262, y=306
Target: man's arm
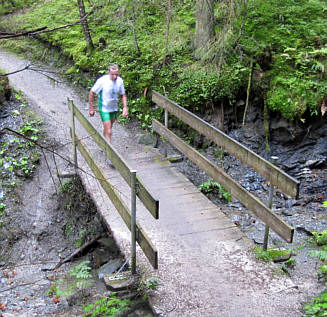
x=124, y=102
x=91, y=109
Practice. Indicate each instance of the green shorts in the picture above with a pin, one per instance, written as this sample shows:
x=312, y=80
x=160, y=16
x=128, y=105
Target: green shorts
x=108, y=116
x=105, y=116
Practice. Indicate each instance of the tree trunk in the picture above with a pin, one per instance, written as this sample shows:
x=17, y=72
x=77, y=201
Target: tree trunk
x=204, y=27
x=85, y=26
x=167, y=30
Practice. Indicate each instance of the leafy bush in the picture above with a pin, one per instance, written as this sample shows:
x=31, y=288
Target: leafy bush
x=215, y=188
x=107, y=306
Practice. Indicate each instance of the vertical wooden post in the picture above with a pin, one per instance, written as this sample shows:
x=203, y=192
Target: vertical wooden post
x=271, y=194
x=166, y=125
x=73, y=133
x=133, y=221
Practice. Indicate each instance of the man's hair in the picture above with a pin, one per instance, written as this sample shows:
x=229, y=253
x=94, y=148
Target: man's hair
x=113, y=67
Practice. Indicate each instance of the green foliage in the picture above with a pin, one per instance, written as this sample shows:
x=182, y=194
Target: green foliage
x=2, y=208
x=318, y=306
x=81, y=238
x=215, y=188
x=320, y=254
x=9, y=6
x=66, y=187
x=148, y=284
x=17, y=155
x=292, y=31
x=107, y=306
x=269, y=255
x=77, y=279
x=285, y=39
x=320, y=237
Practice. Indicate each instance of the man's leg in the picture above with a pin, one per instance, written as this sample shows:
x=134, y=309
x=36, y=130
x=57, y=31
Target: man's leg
x=107, y=129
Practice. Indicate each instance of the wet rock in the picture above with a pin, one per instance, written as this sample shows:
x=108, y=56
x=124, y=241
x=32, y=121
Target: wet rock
x=304, y=230
x=109, y=268
x=175, y=158
x=110, y=245
x=147, y=139
x=120, y=281
x=287, y=212
x=315, y=163
x=291, y=202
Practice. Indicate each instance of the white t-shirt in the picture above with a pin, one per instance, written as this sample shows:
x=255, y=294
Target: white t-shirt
x=110, y=91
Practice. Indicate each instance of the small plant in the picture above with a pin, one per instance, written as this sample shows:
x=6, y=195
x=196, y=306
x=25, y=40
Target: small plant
x=320, y=237
x=214, y=187
x=78, y=279
x=66, y=187
x=317, y=307
x=322, y=273
x=2, y=208
x=81, y=238
x=152, y=283
x=107, y=306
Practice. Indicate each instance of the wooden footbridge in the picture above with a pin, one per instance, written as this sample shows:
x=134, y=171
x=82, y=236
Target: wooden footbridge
x=203, y=261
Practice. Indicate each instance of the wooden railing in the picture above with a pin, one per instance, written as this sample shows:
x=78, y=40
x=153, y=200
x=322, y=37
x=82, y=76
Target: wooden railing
x=126, y=172
x=276, y=176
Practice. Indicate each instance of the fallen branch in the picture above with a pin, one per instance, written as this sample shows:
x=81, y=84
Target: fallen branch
x=45, y=28
x=76, y=252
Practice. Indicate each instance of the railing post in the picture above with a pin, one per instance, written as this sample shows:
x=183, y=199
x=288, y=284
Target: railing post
x=166, y=125
x=271, y=194
x=133, y=221
x=73, y=133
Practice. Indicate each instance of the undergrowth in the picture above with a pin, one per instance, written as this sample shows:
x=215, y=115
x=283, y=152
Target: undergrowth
x=318, y=306
x=286, y=40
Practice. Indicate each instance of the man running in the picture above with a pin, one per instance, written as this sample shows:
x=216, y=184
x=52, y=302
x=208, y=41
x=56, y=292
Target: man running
x=108, y=87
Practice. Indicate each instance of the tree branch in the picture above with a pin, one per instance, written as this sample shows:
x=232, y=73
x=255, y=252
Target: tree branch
x=45, y=28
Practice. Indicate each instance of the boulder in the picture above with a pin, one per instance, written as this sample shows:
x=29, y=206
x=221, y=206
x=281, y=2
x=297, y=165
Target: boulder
x=147, y=139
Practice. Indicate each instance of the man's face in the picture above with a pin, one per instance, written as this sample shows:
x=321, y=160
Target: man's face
x=114, y=74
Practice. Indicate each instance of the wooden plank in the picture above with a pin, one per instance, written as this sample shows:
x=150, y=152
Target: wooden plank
x=141, y=237
x=235, y=189
x=279, y=178
x=142, y=192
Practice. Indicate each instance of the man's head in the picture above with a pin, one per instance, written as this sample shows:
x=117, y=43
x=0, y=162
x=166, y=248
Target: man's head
x=113, y=71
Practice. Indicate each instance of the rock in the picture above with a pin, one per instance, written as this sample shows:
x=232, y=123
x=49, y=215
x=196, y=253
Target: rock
x=175, y=158
x=314, y=163
x=100, y=257
x=109, y=268
x=287, y=212
x=109, y=244
x=240, y=103
x=147, y=139
x=120, y=281
x=304, y=230
x=282, y=258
